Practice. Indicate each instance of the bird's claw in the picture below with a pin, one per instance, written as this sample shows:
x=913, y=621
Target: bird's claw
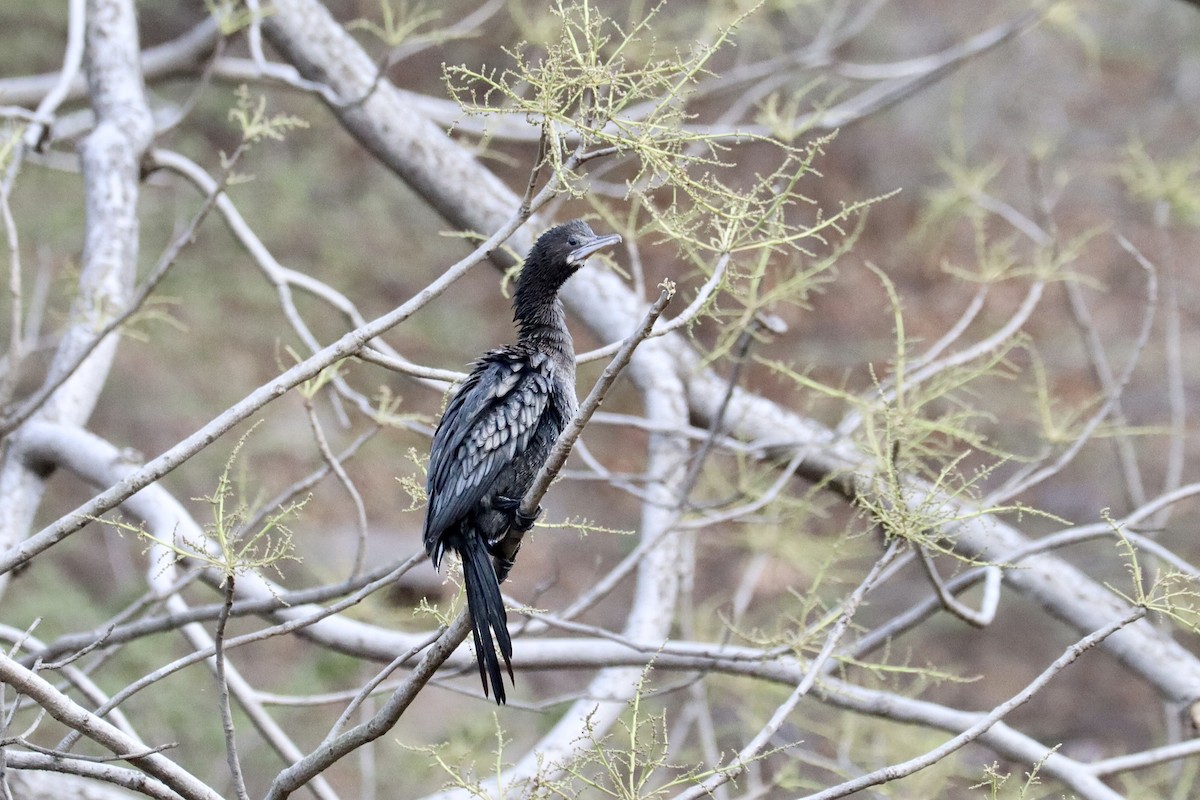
x=521, y=521
x=503, y=566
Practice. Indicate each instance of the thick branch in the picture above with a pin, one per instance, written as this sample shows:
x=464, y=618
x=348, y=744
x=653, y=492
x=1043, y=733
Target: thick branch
x=111, y=157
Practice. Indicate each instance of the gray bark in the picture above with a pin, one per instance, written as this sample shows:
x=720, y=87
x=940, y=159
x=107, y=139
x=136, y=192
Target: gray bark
x=111, y=159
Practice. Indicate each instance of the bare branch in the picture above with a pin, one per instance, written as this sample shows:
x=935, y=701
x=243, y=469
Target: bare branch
x=752, y=749
x=303, y=771
x=991, y=598
x=231, y=749
x=168, y=259
x=71, y=714
x=893, y=772
x=331, y=460
x=38, y=776
x=1144, y=759
x=181, y=55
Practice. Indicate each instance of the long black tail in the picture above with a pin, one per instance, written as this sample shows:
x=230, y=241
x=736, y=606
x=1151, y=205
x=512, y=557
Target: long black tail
x=487, y=615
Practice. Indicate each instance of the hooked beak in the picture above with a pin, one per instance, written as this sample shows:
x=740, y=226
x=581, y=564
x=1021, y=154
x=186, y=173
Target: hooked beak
x=579, y=254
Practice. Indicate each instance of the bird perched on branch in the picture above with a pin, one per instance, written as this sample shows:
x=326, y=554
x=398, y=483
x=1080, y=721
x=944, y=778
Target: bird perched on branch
x=497, y=432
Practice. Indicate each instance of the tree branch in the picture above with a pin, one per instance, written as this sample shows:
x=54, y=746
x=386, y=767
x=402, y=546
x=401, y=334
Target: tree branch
x=128, y=748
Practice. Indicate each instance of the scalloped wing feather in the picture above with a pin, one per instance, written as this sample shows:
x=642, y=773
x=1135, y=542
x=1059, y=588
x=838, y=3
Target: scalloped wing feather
x=488, y=423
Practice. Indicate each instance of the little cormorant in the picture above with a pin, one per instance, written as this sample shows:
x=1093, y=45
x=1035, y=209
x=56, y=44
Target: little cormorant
x=497, y=432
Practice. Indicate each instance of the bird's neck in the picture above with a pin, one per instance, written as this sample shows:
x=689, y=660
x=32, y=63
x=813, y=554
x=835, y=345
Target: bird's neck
x=544, y=325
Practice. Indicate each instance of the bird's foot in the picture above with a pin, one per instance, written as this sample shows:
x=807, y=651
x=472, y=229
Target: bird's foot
x=503, y=566
x=521, y=521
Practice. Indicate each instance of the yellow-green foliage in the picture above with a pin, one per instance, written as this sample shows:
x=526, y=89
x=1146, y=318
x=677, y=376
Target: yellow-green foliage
x=228, y=546
x=397, y=25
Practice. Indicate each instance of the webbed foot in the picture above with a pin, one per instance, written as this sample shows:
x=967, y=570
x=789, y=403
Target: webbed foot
x=520, y=520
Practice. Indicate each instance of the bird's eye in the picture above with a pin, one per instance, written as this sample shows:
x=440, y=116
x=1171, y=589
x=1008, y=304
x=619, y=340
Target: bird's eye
x=573, y=241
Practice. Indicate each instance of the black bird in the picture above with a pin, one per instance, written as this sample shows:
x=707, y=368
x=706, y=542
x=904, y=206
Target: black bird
x=497, y=432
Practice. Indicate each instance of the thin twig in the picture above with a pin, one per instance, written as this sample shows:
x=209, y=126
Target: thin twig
x=368, y=688
x=1145, y=758
x=168, y=259
x=74, y=716
x=206, y=652
x=130, y=779
x=755, y=746
x=74, y=676
x=16, y=335
x=906, y=79
x=564, y=443
x=1176, y=394
x=896, y=771
x=1113, y=387
x=231, y=751
x=111, y=633
x=316, y=762
x=72, y=62
x=246, y=696
x=281, y=277
x=289, y=493
x=360, y=509
x=922, y=610
x=684, y=317
x=987, y=607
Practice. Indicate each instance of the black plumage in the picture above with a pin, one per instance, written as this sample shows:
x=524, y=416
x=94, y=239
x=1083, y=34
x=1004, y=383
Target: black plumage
x=497, y=432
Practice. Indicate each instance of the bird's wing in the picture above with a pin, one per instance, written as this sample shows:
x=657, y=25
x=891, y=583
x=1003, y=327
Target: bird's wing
x=488, y=423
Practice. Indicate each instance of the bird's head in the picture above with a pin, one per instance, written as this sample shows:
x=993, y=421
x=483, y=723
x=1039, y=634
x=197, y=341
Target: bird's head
x=556, y=256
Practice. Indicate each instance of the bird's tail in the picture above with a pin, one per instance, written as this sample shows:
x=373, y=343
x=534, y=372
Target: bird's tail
x=487, y=615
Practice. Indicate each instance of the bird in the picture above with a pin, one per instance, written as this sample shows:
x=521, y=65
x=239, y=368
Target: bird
x=495, y=435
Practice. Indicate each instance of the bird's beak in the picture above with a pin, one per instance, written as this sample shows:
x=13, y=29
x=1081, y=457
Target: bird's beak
x=577, y=256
